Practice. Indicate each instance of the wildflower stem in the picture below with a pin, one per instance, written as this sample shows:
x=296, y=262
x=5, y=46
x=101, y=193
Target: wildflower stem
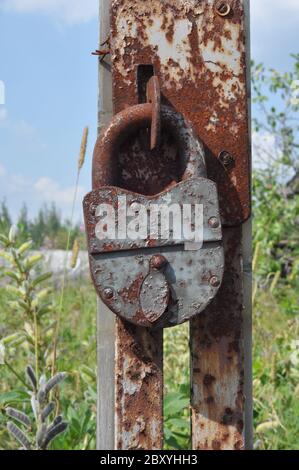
x=60, y=306
x=36, y=344
x=16, y=374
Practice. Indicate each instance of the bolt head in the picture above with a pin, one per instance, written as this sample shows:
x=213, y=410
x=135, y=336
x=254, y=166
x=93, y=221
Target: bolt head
x=226, y=159
x=214, y=222
x=108, y=293
x=158, y=262
x=214, y=281
x=222, y=8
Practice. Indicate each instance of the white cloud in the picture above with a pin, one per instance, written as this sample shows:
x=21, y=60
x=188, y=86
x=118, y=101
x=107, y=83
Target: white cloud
x=264, y=149
x=266, y=153
x=17, y=189
x=68, y=11
x=49, y=191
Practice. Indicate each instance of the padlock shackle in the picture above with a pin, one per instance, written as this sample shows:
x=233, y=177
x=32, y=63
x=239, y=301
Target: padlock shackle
x=130, y=120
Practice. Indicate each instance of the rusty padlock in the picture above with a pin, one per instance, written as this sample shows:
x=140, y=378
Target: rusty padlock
x=160, y=279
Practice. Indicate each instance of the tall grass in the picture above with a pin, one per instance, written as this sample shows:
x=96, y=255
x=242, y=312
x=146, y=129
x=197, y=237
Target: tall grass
x=81, y=160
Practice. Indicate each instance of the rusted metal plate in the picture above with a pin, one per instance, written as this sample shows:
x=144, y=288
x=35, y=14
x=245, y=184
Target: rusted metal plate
x=198, y=52
x=139, y=388
x=217, y=362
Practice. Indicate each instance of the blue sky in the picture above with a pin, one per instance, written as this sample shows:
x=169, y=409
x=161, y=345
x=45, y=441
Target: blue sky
x=50, y=82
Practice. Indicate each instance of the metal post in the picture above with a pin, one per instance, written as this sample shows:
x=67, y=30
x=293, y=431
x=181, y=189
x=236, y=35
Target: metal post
x=221, y=376
x=247, y=333
x=200, y=55
x=130, y=359
x=217, y=360
x=247, y=269
x=139, y=388
x=105, y=318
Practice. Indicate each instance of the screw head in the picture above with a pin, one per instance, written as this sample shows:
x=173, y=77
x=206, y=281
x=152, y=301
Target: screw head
x=158, y=262
x=92, y=209
x=226, y=159
x=222, y=8
x=108, y=293
x=214, y=281
x=214, y=222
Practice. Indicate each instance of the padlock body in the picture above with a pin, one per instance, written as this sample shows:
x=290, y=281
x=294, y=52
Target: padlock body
x=121, y=264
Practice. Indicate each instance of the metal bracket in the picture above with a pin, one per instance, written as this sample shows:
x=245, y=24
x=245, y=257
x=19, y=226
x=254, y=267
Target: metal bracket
x=197, y=50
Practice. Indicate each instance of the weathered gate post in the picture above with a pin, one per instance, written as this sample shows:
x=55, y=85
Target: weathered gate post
x=105, y=319
x=199, y=50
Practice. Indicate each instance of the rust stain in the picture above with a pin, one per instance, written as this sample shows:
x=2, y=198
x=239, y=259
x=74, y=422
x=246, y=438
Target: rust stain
x=139, y=388
x=199, y=58
x=124, y=266
x=120, y=161
x=154, y=97
x=217, y=360
x=131, y=292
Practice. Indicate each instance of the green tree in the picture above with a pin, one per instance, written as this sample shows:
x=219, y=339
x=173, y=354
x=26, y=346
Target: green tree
x=275, y=262
x=53, y=220
x=38, y=229
x=276, y=172
x=23, y=223
x=5, y=219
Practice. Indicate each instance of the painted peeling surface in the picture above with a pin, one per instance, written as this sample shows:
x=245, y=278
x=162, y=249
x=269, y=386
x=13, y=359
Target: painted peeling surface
x=139, y=388
x=167, y=31
x=199, y=58
x=217, y=370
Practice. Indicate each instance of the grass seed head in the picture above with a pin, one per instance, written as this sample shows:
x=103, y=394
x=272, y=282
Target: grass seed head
x=83, y=148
